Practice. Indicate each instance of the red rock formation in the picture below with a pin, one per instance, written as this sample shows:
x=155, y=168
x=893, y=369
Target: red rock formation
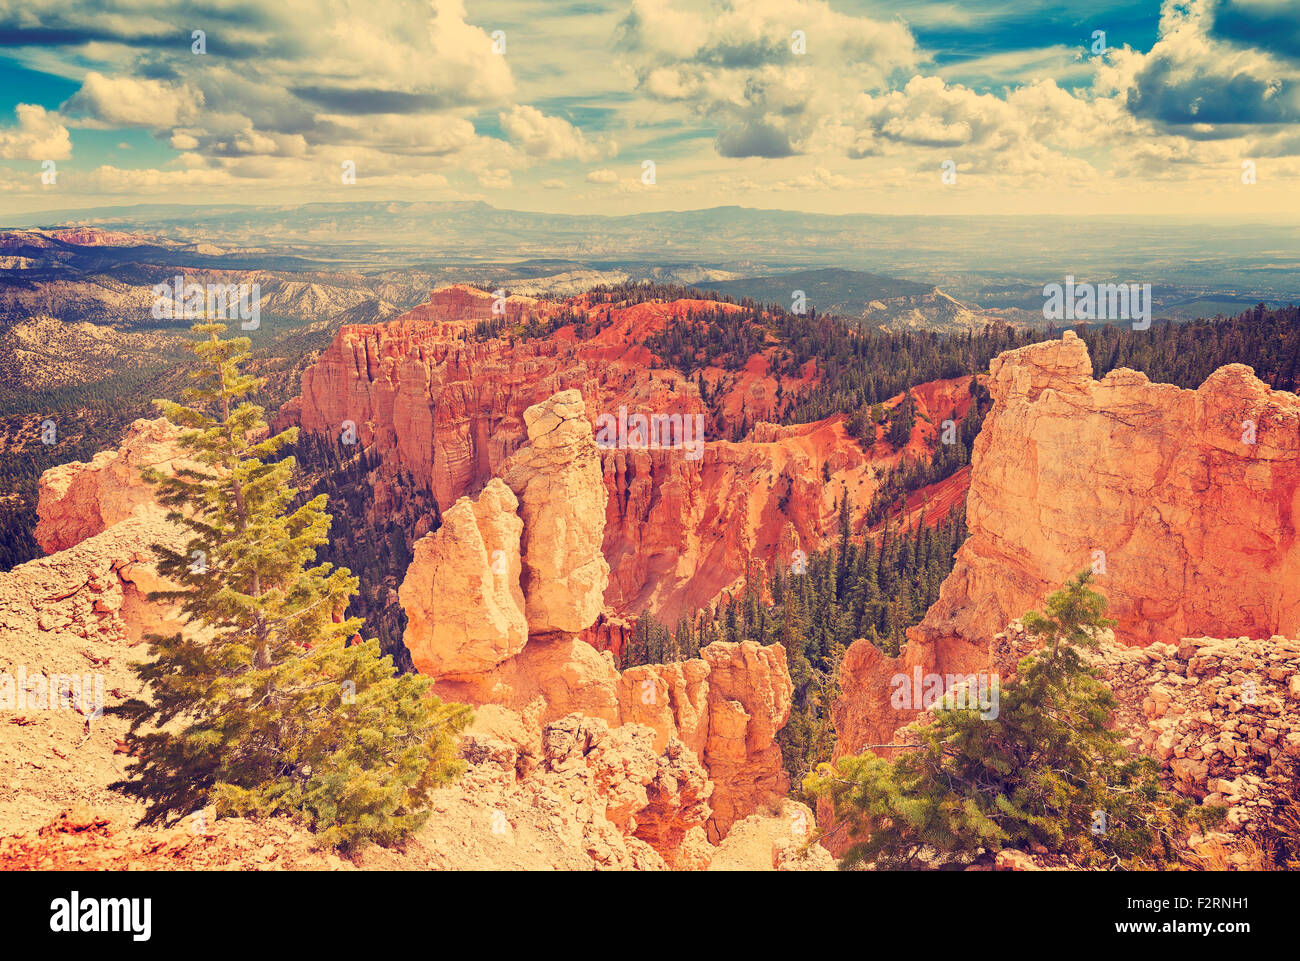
x=79, y=499
x=657, y=794
x=671, y=699
x=725, y=707
x=562, y=501
x=461, y=593
x=750, y=696
x=449, y=409
x=611, y=632
x=1196, y=529
x=679, y=531
x=552, y=676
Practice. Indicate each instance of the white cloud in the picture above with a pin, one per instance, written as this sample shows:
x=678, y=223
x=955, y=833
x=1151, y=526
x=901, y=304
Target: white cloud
x=550, y=138
x=766, y=72
x=39, y=135
x=498, y=179
x=134, y=102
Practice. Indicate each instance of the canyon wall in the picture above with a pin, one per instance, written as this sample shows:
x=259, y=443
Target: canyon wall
x=1185, y=503
x=448, y=409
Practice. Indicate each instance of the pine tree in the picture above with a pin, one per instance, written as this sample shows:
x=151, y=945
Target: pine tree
x=901, y=421
x=263, y=705
x=1047, y=769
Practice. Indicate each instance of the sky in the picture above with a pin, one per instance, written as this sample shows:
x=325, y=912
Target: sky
x=985, y=107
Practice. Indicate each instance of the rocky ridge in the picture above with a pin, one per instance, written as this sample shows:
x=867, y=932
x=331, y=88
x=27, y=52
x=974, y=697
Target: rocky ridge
x=1190, y=530
x=724, y=708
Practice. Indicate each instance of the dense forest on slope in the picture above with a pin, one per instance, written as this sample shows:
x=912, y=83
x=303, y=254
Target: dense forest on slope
x=377, y=551
x=93, y=416
x=859, y=370
x=874, y=589
x=860, y=367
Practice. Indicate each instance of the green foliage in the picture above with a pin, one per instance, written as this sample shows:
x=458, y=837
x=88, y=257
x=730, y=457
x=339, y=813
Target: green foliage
x=376, y=545
x=264, y=705
x=1046, y=770
x=875, y=589
x=901, y=421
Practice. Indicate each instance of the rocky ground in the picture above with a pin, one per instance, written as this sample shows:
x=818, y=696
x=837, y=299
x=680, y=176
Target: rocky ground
x=1221, y=715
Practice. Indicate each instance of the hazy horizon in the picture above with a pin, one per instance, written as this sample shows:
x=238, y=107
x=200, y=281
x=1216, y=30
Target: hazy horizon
x=41, y=217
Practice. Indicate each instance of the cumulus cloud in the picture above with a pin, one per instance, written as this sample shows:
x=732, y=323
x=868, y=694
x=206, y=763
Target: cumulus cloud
x=305, y=80
x=550, y=138
x=784, y=95
x=134, y=102
x=498, y=179
x=38, y=135
x=1193, y=77
x=754, y=138
x=766, y=72
x=1272, y=25
x=111, y=179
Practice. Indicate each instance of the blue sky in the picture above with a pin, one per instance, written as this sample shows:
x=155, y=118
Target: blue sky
x=904, y=107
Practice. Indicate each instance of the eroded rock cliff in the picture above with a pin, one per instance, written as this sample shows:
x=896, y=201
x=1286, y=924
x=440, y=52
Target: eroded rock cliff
x=81, y=499
x=440, y=401
x=1185, y=503
x=724, y=708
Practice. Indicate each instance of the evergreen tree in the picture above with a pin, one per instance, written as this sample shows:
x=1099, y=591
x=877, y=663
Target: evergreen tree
x=263, y=706
x=901, y=421
x=1046, y=769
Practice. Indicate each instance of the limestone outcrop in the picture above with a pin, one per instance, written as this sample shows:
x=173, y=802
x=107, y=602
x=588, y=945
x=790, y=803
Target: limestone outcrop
x=1184, y=503
x=82, y=499
x=671, y=699
x=750, y=695
x=461, y=592
x=658, y=795
x=562, y=500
